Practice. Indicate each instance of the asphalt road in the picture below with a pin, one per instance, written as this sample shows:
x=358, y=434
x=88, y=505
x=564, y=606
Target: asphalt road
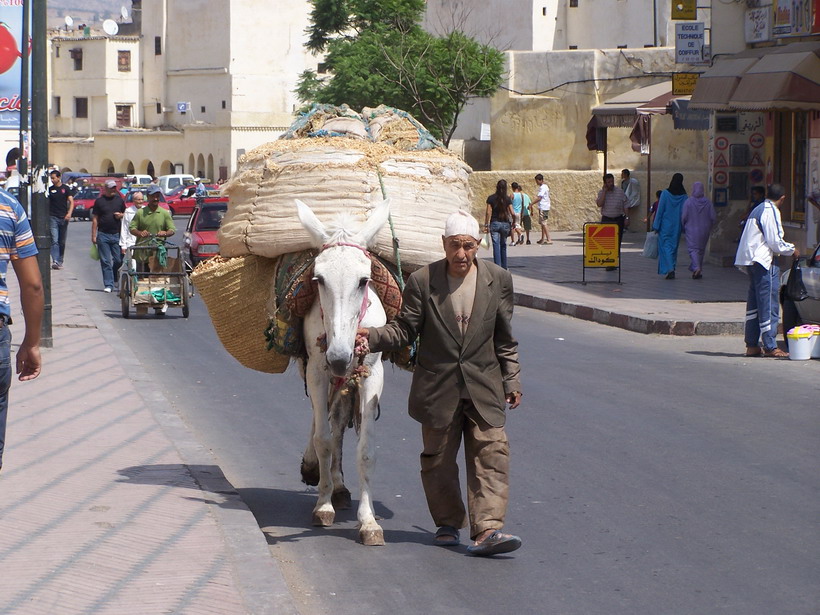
x=650, y=475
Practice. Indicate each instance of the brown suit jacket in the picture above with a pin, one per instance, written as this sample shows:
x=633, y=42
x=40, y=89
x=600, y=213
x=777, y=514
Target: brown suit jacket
x=485, y=358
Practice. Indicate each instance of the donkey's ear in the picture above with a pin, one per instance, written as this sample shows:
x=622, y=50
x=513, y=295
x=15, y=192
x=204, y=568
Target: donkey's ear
x=378, y=216
x=312, y=224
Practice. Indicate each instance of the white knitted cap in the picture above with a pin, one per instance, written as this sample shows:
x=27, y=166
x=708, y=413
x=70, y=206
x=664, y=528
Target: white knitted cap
x=461, y=223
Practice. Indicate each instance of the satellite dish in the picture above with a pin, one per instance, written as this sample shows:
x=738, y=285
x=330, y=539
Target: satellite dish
x=69, y=21
x=124, y=12
x=110, y=27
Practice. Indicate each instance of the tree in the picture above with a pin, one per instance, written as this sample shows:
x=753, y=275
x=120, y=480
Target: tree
x=377, y=53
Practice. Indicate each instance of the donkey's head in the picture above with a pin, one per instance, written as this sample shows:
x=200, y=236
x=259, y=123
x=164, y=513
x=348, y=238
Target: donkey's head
x=342, y=271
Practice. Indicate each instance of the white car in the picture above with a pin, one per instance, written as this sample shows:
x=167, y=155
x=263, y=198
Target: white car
x=169, y=182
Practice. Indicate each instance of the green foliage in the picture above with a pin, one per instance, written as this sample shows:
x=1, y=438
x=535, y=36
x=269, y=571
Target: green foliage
x=378, y=54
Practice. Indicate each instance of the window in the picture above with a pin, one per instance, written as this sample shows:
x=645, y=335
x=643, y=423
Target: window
x=77, y=56
x=224, y=105
x=81, y=107
x=321, y=68
x=123, y=116
x=157, y=45
x=56, y=51
x=124, y=61
x=57, y=105
x=159, y=108
x=573, y=4
x=202, y=109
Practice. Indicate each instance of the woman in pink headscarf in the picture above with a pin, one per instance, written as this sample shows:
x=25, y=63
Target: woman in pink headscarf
x=697, y=218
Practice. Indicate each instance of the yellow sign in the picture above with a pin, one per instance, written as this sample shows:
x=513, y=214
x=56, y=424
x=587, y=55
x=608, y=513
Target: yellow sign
x=601, y=245
x=683, y=84
x=684, y=9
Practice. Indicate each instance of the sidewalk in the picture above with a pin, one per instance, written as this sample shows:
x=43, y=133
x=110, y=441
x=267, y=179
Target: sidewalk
x=548, y=277
x=108, y=505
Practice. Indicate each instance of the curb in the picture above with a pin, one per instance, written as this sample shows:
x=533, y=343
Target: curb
x=637, y=324
x=256, y=572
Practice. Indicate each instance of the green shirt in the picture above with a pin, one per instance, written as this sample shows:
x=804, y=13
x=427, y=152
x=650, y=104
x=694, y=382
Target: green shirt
x=153, y=222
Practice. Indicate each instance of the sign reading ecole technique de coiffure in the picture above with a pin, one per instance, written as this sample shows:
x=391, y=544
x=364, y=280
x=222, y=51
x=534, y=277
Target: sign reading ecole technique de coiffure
x=690, y=47
x=11, y=31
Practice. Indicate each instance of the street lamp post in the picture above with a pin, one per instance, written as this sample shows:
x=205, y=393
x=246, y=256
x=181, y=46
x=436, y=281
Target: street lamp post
x=39, y=157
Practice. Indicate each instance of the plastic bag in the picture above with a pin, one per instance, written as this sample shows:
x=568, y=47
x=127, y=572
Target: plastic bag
x=94, y=252
x=485, y=241
x=650, y=246
x=795, y=289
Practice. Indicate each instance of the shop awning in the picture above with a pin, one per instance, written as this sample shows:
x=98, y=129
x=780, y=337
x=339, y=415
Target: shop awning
x=786, y=77
x=620, y=111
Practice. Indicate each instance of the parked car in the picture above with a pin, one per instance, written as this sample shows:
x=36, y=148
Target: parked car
x=795, y=313
x=199, y=241
x=84, y=201
x=183, y=200
x=169, y=182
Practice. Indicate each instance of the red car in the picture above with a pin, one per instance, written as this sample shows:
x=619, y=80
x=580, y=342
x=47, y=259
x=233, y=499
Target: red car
x=199, y=241
x=181, y=200
x=84, y=201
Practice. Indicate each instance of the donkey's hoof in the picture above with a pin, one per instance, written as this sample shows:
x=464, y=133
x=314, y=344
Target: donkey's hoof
x=310, y=473
x=341, y=499
x=323, y=518
x=372, y=537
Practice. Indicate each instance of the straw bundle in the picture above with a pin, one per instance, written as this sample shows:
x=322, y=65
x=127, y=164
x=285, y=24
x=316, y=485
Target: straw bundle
x=236, y=292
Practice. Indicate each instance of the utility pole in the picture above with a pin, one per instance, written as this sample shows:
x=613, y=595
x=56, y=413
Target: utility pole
x=39, y=157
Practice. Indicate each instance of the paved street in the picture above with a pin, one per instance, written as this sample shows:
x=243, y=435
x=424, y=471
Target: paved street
x=651, y=474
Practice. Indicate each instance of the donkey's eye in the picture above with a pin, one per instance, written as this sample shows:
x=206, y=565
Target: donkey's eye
x=363, y=282
x=319, y=279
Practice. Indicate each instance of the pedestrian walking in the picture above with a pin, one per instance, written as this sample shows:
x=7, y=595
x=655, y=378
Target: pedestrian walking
x=17, y=245
x=467, y=371
x=517, y=233
x=761, y=241
x=497, y=221
x=632, y=189
x=668, y=224
x=126, y=238
x=543, y=204
x=697, y=219
x=60, y=209
x=526, y=213
x=151, y=220
x=106, y=225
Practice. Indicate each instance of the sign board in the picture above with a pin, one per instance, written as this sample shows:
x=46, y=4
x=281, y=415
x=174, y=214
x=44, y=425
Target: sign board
x=11, y=16
x=683, y=84
x=684, y=9
x=758, y=25
x=792, y=18
x=485, y=132
x=182, y=107
x=601, y=245
x=690, y=39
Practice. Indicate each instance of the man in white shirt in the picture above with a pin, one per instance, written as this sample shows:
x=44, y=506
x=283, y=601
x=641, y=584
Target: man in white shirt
x=543, y=203
x=632, y=190
x=761, y=242
x=126, y=238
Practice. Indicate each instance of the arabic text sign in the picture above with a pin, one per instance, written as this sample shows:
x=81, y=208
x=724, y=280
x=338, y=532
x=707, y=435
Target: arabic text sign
x=683, y=84
x=689, y=43
x=601, y=245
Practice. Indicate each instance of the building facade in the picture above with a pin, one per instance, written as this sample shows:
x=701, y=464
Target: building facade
x=188, y=86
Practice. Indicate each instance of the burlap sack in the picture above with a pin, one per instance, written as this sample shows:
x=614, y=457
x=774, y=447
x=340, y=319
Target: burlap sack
x=334, y=175
x=236, y=291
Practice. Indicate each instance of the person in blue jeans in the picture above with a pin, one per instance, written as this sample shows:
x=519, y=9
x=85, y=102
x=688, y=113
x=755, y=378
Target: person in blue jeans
x=60, y=210
x=106, y=220
x=497, y=221
x=760, y=244
x=17, y=245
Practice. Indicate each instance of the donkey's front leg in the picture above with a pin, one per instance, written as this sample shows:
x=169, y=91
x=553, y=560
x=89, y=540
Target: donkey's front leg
x=323, y=513
x=370, y=391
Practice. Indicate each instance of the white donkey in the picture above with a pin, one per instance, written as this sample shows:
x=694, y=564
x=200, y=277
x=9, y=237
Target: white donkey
x=343, y=387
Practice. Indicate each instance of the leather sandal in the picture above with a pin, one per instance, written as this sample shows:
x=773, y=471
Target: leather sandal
x=495, y=544
x=776, y=353
x=447, y=536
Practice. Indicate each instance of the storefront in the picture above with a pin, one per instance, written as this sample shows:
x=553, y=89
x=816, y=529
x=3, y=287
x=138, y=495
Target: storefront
x=766, y=129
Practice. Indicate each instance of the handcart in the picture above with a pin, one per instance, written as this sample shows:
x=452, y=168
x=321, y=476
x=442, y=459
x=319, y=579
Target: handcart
x=153, y=276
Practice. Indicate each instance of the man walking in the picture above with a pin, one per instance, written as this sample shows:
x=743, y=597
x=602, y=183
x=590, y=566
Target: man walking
x=761, y=241
x=467, y=371
x=613, y=203
x=151, y=220
x=126, y=238
x=542, y=203
x=17, y=246
x=632, y=190
x=106, y=220
x=61, y=208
